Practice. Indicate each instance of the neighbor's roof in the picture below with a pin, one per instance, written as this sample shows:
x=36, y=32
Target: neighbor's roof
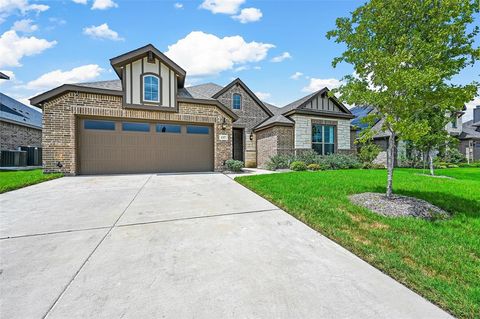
x=469, y=130
x=3, y=76
x=13, y=111
x=360, y=112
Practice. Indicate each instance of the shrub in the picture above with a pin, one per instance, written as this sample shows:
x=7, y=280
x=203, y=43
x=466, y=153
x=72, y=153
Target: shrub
x=314, y=167
x=368, y=152
x=452, y=166
x=472, y=164
x=279, y=162
x=298, y=166
x=234, y=166
x=307, y=156
x=339, y=161
x=452, y=155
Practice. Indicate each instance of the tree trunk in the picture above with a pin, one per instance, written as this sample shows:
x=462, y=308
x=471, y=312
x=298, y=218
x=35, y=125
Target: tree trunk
x=430, y=159
x=390, y=164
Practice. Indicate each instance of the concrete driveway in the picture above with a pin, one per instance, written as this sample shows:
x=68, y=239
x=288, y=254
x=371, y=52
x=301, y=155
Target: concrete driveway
x=178, y=246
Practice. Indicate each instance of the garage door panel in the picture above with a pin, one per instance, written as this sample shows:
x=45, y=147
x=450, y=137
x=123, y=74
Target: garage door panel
x=118, y=151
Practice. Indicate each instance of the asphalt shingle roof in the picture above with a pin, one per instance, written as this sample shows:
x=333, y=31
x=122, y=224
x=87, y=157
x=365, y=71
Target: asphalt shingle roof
x=115, y=85
x=469, y=130
x=276, y=119
x=297, y=103
x=201, y=91
x=14, y=111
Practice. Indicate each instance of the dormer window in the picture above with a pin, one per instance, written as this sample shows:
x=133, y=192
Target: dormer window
x=237, y=101
x=151, y=88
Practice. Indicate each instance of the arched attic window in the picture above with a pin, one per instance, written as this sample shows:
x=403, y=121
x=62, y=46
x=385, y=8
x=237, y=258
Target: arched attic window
x=151, y=88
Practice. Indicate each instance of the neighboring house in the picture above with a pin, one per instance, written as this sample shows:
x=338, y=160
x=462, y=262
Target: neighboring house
x=148, y=121
x=380, y=138
x=20, y=125
x=470, y=137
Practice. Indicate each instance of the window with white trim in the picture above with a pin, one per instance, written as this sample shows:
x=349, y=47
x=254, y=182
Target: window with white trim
x=151, y=88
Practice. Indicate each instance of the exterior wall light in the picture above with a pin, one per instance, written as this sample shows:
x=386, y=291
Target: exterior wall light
x=251, y=136
x=224, y=124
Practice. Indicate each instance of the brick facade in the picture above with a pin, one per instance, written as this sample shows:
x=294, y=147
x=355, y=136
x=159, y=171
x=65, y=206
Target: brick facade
x=276, y=140
x=250, y=115
x=13, y=136
x=60, y=117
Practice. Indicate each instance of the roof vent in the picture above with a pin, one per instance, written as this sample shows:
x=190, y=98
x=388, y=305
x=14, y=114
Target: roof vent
x=150, y=57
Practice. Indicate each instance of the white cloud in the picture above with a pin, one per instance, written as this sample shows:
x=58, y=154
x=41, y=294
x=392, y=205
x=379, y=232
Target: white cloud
x=58, y=77
x=102, y=32
x=80, y=1
x=25, y=25
x=57, y=21
x=263, y=95
x=13, y=47
x=241, y=68
x=103, y=4
x=7, y=7
x=178, y=5
x=470, y=106
x=249, y=15
x=281, y=57
x=257, y=67
x=213, y=54
x=222, y=6
x=296, y=75
x=318, y=84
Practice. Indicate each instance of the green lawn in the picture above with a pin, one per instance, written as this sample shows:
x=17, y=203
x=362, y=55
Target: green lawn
x=15, y=180
x=438, y=259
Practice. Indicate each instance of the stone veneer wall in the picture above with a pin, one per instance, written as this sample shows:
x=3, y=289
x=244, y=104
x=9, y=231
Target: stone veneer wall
x=250, y=115
x=60, y=117
x=276, y=140
x=303, y=132
x=13, y=135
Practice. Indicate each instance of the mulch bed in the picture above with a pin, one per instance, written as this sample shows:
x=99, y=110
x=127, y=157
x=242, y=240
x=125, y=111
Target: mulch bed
x=398, y=206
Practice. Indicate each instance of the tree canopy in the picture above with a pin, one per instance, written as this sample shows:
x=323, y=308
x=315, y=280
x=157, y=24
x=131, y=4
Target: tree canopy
x=405, y=54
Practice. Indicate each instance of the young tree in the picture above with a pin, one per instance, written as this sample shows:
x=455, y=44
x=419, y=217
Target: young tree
x=437, y=136
x=404, y=53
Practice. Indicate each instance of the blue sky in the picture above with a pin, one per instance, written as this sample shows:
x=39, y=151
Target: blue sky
x=44, y=44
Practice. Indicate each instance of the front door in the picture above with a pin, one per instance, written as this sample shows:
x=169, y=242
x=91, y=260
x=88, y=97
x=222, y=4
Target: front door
x=238, y=144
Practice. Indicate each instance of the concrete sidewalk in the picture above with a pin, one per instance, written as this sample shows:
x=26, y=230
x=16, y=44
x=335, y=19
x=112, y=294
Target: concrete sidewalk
x=178, y=246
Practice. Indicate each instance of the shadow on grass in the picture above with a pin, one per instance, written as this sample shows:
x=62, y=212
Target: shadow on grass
x=449, y=202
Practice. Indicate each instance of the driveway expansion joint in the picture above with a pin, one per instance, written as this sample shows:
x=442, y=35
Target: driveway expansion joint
x=95, y=249
x=198, y=217
x=56, y=232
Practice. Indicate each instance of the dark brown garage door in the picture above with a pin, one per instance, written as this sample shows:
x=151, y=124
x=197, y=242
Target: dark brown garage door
x=111, y=147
